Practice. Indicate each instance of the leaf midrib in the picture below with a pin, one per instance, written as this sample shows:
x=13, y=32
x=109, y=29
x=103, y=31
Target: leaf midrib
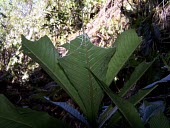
x=90, y=79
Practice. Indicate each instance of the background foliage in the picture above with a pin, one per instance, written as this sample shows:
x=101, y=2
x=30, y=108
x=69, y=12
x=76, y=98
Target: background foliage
x=57, y=19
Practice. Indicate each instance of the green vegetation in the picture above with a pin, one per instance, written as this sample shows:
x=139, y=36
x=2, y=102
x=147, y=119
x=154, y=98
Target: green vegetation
x=74, y=72
x=12, y=117
x=102, y=63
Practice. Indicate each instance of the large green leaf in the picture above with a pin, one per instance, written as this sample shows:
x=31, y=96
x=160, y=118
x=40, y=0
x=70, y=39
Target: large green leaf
x=12, y=117
x=126, y=108
x=83, y=54
x=159, y=121
x=135, y=76
x=134, y=100
x=146, y=90
x=43, y=52
x=70, y=71
x=137, y=98
x=126, y=44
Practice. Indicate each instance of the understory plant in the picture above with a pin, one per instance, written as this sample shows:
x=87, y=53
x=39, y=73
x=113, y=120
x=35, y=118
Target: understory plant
x=16, y=117
x=87, y=71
